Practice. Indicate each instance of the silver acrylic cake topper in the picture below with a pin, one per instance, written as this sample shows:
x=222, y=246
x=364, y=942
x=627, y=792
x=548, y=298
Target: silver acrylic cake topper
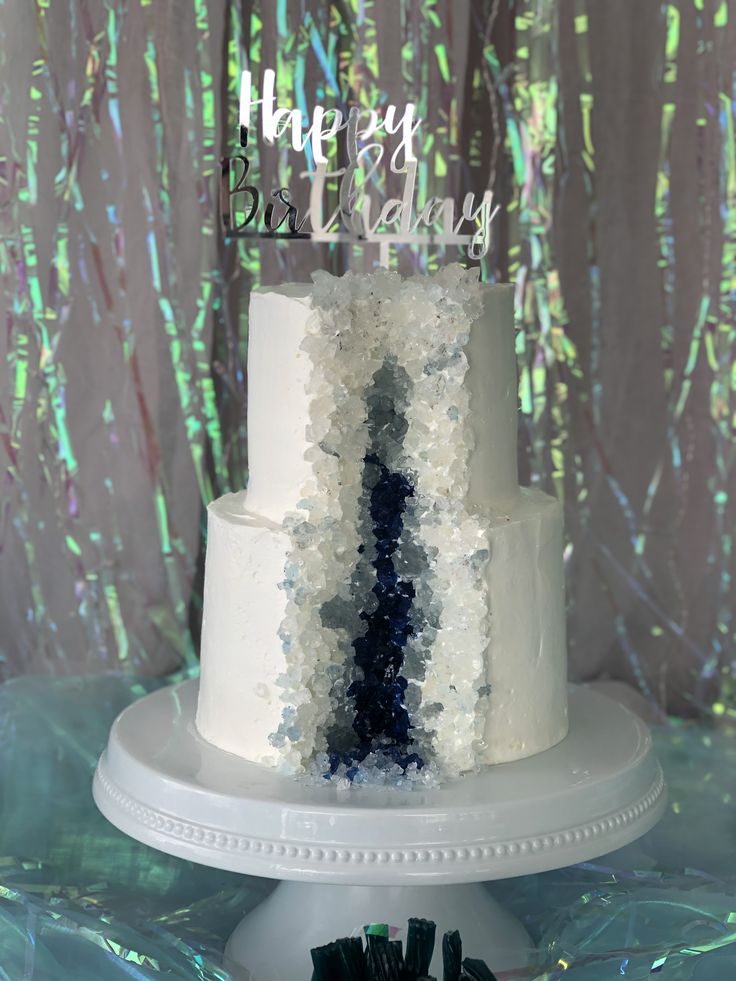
x=355, y=218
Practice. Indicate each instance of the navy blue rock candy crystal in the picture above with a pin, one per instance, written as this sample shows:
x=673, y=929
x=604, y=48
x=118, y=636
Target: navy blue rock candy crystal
x=381, y=722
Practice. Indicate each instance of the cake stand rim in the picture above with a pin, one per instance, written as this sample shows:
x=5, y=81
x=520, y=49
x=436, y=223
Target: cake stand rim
x=193, y=827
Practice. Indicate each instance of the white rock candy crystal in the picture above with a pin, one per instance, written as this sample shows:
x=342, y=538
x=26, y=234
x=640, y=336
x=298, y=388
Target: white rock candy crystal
x=359, y=324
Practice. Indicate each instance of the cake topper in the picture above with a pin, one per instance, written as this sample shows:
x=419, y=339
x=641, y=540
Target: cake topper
x=248, y=212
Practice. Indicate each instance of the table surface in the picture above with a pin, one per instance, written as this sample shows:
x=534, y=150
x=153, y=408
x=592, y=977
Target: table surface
x=78, y=899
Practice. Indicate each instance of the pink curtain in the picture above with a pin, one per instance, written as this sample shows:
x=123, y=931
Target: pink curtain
x=606, y=130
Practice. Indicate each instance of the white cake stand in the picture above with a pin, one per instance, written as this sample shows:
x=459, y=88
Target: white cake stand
x=370, y=855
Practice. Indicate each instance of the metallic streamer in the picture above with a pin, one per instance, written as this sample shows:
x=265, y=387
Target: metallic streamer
x=608, y=136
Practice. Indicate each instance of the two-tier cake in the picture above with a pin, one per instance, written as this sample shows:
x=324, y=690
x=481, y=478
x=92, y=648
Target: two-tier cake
x=383, y=602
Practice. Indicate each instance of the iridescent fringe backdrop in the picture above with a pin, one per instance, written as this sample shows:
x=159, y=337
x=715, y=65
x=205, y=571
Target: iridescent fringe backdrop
x=605, y=128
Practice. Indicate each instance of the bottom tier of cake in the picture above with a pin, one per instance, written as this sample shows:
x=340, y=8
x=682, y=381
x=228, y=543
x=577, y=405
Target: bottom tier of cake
x=241, y=700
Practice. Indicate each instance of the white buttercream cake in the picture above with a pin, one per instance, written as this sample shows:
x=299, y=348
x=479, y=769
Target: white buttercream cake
x=383, y=602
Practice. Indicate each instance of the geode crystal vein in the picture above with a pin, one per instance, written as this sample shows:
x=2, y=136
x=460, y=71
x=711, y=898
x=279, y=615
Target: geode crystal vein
x=415, y=626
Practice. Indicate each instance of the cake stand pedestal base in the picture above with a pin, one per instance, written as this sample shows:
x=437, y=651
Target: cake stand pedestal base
x=377, y=855
x=313, y=915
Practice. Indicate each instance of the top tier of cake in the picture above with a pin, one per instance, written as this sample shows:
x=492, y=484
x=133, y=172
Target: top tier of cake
x=279, y=371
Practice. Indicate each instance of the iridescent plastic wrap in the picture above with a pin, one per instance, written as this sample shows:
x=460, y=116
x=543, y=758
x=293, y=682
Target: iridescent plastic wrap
x=606, y=131
x=108, y=268
x=80, y=901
